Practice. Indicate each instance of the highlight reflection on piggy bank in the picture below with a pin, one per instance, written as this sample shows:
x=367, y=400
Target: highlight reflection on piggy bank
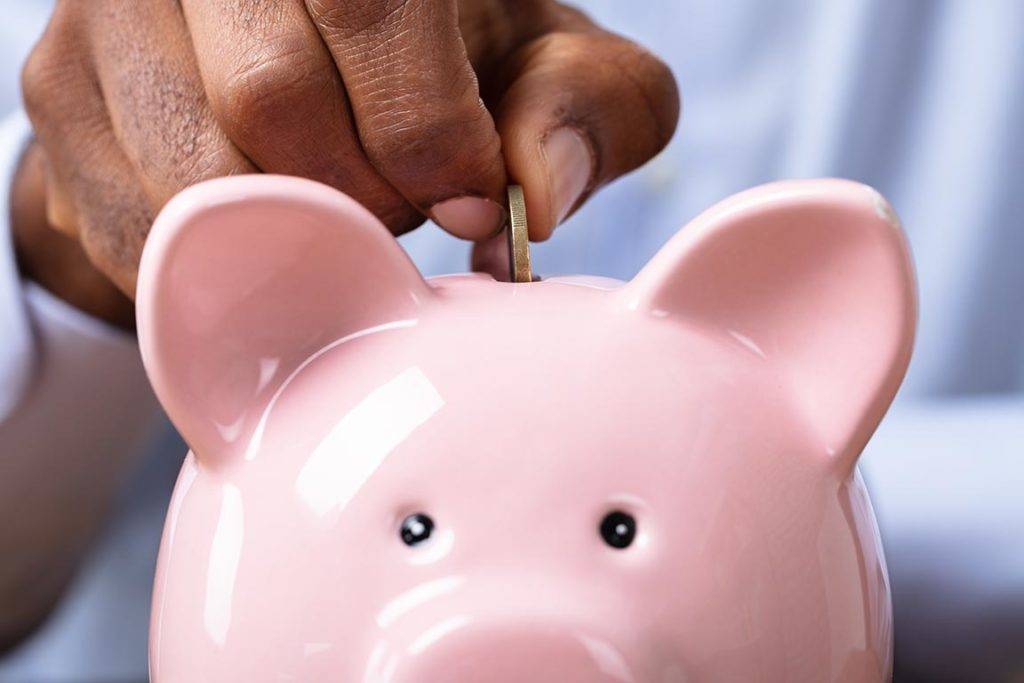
x=394, y=479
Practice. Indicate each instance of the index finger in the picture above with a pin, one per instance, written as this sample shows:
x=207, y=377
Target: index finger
x=416, y=103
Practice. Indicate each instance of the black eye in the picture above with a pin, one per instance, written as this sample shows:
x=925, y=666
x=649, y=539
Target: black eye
x=618, y=529
x=416, y=528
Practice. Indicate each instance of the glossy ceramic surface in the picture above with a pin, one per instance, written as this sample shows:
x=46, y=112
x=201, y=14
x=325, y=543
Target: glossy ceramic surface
x=328, y=391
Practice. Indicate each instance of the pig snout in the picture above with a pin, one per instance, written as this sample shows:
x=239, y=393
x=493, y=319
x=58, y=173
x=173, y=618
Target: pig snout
x=459, y=651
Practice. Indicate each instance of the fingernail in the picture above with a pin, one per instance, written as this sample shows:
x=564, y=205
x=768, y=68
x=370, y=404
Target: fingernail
x=469, y=217
x=570, y=165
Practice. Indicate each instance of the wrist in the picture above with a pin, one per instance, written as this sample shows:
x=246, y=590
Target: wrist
x=52, y=259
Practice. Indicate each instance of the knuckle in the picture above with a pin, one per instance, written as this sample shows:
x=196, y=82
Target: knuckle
x=51, y=65
x=434, y=139
x=40, y=77
x=269, y=93
x=653, y=86
x=563, y=48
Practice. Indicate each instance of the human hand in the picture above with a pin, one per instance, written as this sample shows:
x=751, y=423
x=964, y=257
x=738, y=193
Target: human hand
x=55, y=260
x=415, y=108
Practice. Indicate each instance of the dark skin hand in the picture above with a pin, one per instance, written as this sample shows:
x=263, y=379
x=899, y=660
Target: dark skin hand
x=55, y=260
x=416, y=108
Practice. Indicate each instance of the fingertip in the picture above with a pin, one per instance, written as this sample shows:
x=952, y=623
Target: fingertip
x=469, y=217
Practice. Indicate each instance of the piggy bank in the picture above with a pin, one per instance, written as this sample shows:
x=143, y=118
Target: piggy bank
x=394, y=479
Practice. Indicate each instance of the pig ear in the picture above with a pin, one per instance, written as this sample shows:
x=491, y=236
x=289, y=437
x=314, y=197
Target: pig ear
x=816, y=277
x=245, y=278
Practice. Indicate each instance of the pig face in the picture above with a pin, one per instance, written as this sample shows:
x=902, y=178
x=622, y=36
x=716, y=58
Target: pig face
x=570, y=480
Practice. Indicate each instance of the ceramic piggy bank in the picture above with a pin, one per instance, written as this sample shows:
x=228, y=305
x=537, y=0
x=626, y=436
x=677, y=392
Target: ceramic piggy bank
x=400, y=480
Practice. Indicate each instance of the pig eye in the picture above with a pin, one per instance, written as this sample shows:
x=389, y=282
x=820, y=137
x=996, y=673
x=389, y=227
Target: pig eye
x=416, y=529
x=618, y=529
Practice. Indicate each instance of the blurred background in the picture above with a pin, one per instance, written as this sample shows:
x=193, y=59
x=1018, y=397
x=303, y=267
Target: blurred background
x=924, y=100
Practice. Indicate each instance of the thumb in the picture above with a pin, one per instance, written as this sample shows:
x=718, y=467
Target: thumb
x=581, y=109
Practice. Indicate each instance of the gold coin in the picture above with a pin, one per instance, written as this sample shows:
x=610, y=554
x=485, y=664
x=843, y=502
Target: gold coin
x=518, y=237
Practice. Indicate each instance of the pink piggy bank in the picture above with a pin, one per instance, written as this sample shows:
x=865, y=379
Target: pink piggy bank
x=400, y=480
